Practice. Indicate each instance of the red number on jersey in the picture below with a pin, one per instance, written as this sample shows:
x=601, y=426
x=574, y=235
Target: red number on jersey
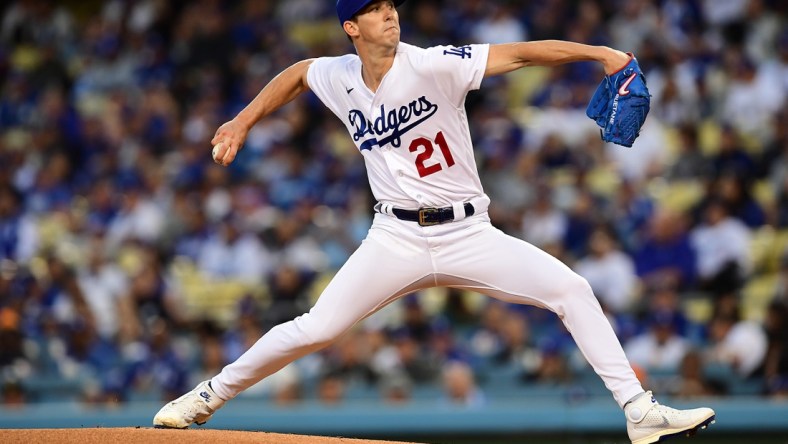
x=441, y=141
x=425, y=155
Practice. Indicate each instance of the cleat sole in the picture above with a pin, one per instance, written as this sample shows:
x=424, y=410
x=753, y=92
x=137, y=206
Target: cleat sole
x=690, y=432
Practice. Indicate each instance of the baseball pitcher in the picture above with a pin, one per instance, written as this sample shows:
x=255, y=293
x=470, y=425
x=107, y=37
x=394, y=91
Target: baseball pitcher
x=403, y=107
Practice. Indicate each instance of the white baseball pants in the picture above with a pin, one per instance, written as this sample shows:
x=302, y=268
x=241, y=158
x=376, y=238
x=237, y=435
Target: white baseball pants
x=400, y=257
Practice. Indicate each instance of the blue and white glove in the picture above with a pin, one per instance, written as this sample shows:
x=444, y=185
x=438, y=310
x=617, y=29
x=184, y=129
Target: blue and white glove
x=620, y=104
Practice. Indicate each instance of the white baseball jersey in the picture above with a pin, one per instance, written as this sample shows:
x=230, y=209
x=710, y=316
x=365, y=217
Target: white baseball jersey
x=413, y=131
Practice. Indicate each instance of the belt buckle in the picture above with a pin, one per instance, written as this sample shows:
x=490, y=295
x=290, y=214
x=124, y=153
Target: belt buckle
x=423, y=212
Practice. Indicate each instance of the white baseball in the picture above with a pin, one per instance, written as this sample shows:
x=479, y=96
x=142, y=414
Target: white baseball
x=215, y=151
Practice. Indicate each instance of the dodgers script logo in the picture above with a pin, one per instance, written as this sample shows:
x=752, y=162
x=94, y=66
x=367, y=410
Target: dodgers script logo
x=397, y=121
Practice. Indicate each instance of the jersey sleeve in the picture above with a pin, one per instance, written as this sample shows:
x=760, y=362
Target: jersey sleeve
x=458, y=69
x=320, y=79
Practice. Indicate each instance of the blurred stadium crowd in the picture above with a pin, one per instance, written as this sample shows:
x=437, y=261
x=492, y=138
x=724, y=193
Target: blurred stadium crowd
x=133, y=267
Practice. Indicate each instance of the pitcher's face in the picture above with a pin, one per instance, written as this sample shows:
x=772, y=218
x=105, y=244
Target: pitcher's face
x=379, y=23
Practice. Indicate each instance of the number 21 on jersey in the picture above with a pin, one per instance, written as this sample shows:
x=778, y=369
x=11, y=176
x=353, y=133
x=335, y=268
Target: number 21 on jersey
x=425, y=148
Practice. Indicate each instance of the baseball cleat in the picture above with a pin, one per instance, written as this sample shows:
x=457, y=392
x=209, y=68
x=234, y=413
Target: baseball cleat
x=649, y=422
x=196, y=406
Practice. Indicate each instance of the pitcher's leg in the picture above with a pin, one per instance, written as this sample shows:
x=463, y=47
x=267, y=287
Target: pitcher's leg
x=515, y=271
x=373, y=276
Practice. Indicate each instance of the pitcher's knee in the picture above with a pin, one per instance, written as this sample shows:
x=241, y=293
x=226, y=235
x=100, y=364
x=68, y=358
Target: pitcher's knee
x=575, y=286
x=315, y=333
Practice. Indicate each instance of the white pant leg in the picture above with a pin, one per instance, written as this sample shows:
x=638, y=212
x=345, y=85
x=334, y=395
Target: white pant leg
x=389, y=264
x=482, y=258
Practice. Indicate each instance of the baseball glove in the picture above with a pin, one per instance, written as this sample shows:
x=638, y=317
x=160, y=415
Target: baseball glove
x=620, y=104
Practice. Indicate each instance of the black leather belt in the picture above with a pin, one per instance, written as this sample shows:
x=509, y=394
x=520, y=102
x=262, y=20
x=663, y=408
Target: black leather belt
x=430, y=216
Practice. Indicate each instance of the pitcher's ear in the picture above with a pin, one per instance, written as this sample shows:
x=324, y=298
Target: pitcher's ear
x=350, y=27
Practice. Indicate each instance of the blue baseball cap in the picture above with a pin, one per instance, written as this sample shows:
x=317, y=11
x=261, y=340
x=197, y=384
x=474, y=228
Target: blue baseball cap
x=346, y=9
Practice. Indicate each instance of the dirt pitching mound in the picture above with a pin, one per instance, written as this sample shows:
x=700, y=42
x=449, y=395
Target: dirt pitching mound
x=142, y=435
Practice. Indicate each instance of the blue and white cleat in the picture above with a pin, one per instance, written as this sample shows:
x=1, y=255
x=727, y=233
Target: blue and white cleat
x=196, y=407
x=649, y=422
